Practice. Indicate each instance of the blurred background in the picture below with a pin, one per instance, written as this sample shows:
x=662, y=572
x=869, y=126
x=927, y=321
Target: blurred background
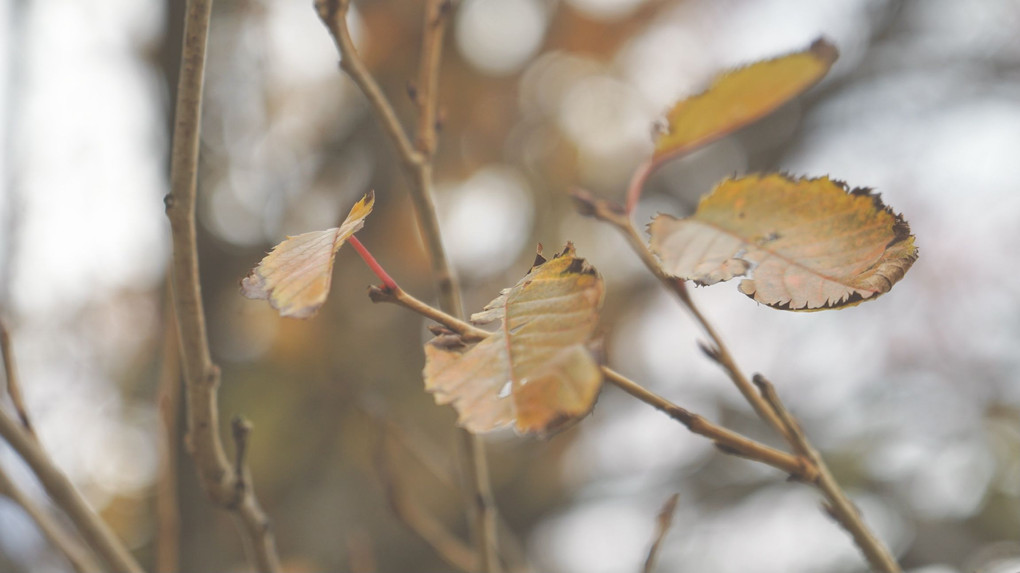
x=914, y=399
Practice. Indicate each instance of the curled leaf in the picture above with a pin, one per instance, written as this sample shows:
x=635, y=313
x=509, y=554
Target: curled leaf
x=295, y=276
x=806, y=244
x=536, y=371
x=740, y=97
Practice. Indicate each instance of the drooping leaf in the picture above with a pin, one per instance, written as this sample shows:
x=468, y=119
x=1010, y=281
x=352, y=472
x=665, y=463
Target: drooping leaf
x=740, y=97
x=295, y=276
x=536, y=371
x=806, y=244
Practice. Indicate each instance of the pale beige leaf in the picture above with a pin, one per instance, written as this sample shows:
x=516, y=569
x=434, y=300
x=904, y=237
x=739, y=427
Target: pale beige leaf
x=806, y=244
x=295, y=276
x=536, y=371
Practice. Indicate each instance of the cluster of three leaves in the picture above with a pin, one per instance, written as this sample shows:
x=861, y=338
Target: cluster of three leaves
x=810, y=244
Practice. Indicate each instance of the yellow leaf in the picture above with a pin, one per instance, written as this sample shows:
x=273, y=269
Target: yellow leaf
x=740, y=97
x=807, y=244
x=296, y=275
x=536, y=372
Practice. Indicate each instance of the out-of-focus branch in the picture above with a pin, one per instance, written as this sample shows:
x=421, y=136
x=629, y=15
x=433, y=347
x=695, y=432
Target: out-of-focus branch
x=839, y=505
x=63, y=493
x=663, y=521
x=13, y=383
x=417, y=161
x=78, y=555
x=448, y=546
x=216, y=474
x=427, y=97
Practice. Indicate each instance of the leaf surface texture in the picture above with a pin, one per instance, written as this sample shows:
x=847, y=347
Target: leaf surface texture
x=536, y=371
x=295, y=276
x=806, y=244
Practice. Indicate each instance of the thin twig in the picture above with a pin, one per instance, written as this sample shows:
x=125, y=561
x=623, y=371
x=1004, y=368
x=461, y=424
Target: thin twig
x=202, y=375
x=168, y=401
x=663, y=521
x=448, y=546
x=79, y=556
x=426, y=454
x=13, y=383
x=727, y=440
x=417, y=161
x=334, y=15
x=839, y=505
x=63, y=493
x=434, y=30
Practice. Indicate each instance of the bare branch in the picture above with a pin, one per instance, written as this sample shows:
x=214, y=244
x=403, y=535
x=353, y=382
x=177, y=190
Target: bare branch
x=839, y=505
x=63, y=493
x=13, y=383
x=730, y=441
x=663, y=521
x=727, y=440
x=445, y=544
x=334, y=15
x=202, y=375
x=78, y=555
x=168, y=403
x=417, y=160
x=437, y=14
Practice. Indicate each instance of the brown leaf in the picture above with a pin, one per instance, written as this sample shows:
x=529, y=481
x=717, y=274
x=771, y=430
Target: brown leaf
x=296, y=275
x=808, y=244
x=740, y=97
x=536, y=371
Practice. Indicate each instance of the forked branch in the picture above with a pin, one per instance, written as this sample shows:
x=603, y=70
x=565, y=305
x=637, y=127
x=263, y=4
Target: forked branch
x=726, y=440
x=417, y=161
x=839, y=505
x=764, y=400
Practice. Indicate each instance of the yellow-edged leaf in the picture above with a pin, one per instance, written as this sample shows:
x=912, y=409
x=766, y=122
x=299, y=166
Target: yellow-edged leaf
x=295, y=276
x=807, y=244
x=740, y=97
x=536, y=371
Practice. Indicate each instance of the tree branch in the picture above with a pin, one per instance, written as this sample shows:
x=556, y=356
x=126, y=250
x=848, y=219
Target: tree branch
x=434, y=30
x=663, y=521
x=445, y=544
x=620, y=219
x=766, y=403
x=202, y=375
x=78, y=555
x=63, y=493
x=839, y=505
x=13, y=383
x=727, y=440
x=417, y=161
x=168, y=404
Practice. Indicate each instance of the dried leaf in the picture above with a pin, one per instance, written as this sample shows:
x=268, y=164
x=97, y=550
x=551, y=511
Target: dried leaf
x=808, y=244
x=740, y=97
x=296, y=275
x=536, y=372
